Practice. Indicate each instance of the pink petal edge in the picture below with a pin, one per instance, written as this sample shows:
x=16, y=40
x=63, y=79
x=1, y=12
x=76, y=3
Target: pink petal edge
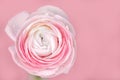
x=15, y=24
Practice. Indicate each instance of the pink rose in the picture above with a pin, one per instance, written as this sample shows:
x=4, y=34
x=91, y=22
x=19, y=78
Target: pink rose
x=44, y=41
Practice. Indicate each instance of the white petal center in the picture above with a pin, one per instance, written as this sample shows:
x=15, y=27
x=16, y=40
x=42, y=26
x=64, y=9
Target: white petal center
x=44, y=41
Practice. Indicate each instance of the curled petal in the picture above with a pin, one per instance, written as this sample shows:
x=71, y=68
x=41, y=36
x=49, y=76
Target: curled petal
x=70, y=62
x=67, y=24
x=52, y=9
x=15, y=24
x=14, y=54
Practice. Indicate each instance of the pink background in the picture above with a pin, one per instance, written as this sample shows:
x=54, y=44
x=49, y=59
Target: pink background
x=97, y=26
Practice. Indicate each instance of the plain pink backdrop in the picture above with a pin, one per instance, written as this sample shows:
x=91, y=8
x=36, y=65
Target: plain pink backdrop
x=97, y=26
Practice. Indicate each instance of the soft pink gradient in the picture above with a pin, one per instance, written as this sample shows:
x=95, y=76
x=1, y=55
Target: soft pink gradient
x=97, y=25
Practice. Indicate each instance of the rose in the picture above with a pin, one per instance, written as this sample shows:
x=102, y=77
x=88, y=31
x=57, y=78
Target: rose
x=44, y=44
x=44, y=41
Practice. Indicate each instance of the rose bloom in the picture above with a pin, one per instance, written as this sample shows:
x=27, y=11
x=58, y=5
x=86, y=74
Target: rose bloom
x=44, y=41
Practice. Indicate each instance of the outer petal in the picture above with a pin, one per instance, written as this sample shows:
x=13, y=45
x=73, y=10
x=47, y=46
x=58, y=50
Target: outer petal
x=15, y=24
x=58, y=13
x=14, y=55
x=52, y=9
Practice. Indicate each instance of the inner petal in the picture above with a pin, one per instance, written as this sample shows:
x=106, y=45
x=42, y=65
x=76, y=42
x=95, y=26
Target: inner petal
x=44, y=42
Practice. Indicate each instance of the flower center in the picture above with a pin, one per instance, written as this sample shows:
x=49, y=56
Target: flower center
x=44, y=41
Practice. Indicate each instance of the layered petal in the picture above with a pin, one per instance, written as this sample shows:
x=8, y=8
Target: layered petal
x=15, y=24
x=53, y=9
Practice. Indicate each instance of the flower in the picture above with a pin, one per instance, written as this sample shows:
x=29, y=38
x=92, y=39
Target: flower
x=44, y=41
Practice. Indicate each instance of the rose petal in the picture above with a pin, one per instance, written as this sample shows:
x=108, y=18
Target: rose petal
x=15, y=24
x=70, y=62
x=67, y=24
x=48, y=73
x=53, y=9
x=13, y=54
